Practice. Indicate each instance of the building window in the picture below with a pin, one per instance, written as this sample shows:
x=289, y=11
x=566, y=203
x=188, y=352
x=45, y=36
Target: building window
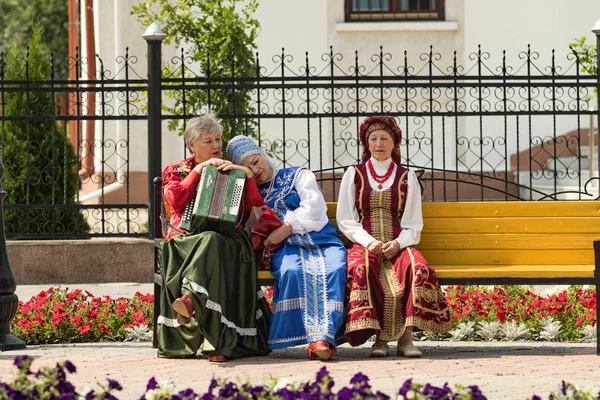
x=394, y=10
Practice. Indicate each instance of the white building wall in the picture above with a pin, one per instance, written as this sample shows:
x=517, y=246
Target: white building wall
x=116, y=31
x=511, y=25
x=314, y=25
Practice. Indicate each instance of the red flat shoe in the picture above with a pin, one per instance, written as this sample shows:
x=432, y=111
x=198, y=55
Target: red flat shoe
x=184, y=308
x=321, y=350
x=217, y=358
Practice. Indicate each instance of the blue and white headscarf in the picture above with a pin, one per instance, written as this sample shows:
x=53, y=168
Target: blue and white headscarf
x=241, y=147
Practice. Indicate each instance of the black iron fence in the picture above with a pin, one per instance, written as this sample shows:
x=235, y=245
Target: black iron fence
x=65, y=145
x=477, y=127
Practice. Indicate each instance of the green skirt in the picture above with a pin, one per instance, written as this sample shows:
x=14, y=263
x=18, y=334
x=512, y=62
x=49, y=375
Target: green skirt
x=231, y=316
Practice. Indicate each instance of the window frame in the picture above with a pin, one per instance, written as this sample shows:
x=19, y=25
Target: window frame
x=394, y=14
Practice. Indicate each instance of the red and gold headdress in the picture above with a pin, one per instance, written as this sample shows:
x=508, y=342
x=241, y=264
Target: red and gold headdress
x=384, y=123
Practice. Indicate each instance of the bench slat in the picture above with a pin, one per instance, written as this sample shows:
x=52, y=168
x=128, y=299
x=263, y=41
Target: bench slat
x=501, y=271
x=513, y=225
x=503, y=209
x=508, y=257
x=507, y=241
x=515, y=271
x=513, y=209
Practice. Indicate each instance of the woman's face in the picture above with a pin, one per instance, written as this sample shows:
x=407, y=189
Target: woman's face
x=260, y=168
x=381, y=145
x=207, y=146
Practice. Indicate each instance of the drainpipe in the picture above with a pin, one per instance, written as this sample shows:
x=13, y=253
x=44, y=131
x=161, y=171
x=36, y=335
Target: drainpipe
x=119, y=124
x=591, y=144
x=90, y=47
x=73, y=23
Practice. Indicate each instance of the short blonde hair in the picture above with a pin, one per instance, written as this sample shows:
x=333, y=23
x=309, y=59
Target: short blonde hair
x=197, y=126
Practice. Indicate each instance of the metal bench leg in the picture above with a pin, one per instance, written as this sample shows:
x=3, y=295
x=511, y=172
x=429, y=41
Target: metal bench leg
x=597, y=283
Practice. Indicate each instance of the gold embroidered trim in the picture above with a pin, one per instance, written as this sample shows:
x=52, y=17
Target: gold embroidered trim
x=361, y=324
x=422, y=290
x=368, y=291
x=400, y=193
x=393, y=311
x=359, y=295
x=360, y=195
x=428, y=325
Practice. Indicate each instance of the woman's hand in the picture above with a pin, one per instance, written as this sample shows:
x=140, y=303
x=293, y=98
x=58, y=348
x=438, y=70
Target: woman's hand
x=390, y=249
x=375, y=247
x=278, y=235
x=229, y=167
x=217, y=162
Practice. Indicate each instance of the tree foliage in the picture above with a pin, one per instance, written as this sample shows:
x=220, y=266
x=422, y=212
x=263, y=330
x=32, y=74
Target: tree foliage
x=219, y=36
x=16, y=18
x=39, y=162
x=586, y=53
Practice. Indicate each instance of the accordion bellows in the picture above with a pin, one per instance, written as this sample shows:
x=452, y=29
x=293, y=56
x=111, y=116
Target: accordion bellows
x=217, y=205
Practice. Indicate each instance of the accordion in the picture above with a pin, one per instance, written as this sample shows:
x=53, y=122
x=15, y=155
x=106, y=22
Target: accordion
x=217, y=204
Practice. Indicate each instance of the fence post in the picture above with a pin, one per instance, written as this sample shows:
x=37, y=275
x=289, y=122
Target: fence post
x=8, y=299
x=596, y=30
x=154, y=37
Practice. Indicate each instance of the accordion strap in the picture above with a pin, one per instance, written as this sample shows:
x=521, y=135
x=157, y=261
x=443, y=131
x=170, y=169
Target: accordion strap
x=169, y=225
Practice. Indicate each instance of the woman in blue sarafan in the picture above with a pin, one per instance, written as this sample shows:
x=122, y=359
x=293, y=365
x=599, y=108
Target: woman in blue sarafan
x=310, y=267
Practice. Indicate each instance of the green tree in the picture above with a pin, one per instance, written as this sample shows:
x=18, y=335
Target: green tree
x=39, y=162
x=16, y=18
x=586, y=53
x=220, y=36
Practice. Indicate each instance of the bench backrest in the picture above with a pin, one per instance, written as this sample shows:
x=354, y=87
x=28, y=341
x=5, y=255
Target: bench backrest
x=505, y=233
x=508, y=233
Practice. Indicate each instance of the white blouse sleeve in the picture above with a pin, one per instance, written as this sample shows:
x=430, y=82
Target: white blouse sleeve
x=412, y=219
x=312, y=213
x=347, y=215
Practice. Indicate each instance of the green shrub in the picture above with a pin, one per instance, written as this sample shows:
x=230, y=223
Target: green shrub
x=40, y=164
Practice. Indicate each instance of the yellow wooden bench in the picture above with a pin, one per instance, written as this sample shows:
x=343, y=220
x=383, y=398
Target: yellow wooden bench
x=507, y=242
x=504, y=243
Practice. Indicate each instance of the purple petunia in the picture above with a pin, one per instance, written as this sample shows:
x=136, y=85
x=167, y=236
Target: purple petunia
x=405, y=388
x=152, y=384
x=114, y=384
x=70, y=367
x=476, y=393
x=322, y=374
x=359, y=378
x=23, y=361
x=563, y=388
x=213, y=385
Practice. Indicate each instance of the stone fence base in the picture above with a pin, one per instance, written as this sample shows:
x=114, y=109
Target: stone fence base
x=35, y=262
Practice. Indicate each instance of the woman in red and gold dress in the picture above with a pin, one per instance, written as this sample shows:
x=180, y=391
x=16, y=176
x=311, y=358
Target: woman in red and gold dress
x=391, y=289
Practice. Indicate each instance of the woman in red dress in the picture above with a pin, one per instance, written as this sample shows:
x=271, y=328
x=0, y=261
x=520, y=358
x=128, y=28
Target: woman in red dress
x=391, y=289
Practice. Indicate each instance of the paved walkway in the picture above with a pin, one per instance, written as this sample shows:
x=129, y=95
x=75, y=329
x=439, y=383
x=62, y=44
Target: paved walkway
x=501, y=370
x=509, y=370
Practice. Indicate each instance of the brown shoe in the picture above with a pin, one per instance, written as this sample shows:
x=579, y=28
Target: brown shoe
x=184, y=308
x=217, y=358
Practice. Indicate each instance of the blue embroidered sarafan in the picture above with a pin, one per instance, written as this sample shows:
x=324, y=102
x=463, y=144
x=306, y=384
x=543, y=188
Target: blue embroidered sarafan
x=310, y=275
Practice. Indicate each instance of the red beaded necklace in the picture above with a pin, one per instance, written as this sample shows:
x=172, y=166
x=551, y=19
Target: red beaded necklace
x=380, y=178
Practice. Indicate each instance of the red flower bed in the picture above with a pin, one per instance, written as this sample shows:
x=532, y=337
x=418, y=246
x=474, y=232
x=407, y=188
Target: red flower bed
x=573, y=308
x=59, y=316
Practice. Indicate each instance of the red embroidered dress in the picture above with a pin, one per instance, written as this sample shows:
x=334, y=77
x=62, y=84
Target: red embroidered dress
x=389, y=295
